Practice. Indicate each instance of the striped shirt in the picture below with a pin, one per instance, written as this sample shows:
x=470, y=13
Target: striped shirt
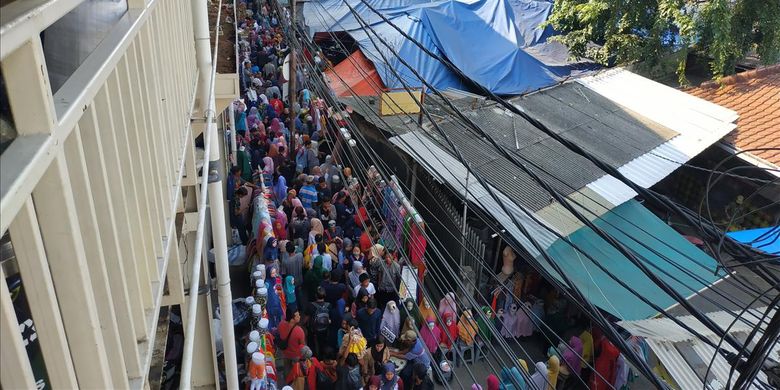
x=308, y=196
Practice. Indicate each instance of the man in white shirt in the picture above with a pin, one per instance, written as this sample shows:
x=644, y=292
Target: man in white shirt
x=365, y=282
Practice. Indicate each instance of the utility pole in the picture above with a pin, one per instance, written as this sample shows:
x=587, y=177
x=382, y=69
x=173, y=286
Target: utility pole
x=292, y=88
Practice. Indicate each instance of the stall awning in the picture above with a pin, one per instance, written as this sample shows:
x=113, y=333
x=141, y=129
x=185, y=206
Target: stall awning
x=359, y=75
x=660, y=248
x=686, y=358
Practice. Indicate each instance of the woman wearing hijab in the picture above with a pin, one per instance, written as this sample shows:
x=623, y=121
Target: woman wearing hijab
x=447, y=305
x=270, y=250
x=281, y=216
x=539, y=378
x=253, y=119
x=276, y=126
x=274, y=308
x=375, y=358
x=316, y=228
x=268, y=171
x=279, y=186
x=353, y=278
x=512, y=379
x=391, y=322
x=313, y=278
x=273, y=152
x=345, y=254
x=328, y=169
x=289, y=293
x=269, y=112
x=361, y=300
x=240, y=114
x=484, y=325
x=390, y=380
x=279, y=230
x=287, y=203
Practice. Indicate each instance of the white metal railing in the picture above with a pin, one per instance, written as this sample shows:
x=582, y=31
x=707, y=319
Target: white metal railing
x=185, y=380
x=90, y=190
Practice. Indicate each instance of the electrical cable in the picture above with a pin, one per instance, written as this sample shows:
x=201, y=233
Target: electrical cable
x=428, y=352
x=659, y=282
x=519, y=111
x=664, y=257
x=398, y=292
x=461, y=285
x=599, y=318
x=342, y=80
x=521, y=346
x=358, y=17
x=720, y=342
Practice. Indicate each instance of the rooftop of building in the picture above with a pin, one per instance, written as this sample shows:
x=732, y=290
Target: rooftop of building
x=755, y=96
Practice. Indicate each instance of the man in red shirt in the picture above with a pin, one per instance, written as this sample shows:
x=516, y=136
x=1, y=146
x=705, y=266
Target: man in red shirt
x=292, y=334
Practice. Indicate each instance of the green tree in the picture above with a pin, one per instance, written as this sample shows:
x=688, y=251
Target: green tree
x=648, y=31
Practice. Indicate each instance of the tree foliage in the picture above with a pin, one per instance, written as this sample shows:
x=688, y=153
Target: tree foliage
x=627, y=31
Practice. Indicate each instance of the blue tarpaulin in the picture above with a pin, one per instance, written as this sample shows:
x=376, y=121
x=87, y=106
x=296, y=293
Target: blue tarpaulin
x=687, y=269
x=485, y=39
x=764, y=239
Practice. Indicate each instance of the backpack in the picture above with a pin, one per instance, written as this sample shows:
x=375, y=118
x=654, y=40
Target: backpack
x=321, y=316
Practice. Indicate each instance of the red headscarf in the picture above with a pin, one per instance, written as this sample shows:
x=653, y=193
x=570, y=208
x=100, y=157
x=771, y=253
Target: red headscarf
x=279, y=231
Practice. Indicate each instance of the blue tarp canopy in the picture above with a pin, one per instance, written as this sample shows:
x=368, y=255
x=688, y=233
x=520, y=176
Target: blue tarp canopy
x=687, y=271
x=491, y=41
x=764, y=239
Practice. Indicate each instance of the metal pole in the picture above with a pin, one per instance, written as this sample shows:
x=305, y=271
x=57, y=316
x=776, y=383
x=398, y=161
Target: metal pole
x=207, y=70
x=413, y=188
x=232, y=119
x=422, y=97
x=292, y=88
x=463, y=223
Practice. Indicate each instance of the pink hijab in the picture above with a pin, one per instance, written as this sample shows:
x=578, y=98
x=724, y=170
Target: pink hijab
x=276, y=126
x=447, y=305
x=268, y=169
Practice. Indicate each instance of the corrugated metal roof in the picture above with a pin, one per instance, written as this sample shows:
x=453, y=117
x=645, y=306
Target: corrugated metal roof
x=447, y=169
x=698, y=122
x=686, y=357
